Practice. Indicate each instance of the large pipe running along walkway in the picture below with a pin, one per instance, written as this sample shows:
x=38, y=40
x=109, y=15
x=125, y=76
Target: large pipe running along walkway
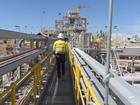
x=58, y=91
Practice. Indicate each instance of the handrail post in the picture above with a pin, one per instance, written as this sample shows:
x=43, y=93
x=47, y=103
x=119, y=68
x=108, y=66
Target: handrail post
x=108, y=50
x=39, y=77
x=35, y=84
x=87, y=95
x=13, y=94
x=78, y=84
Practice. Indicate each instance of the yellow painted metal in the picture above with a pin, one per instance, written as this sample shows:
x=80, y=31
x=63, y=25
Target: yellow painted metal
x=77, y=73
x=13, y=94
x=92, y=92
x=90, y=89
x=37, y=76
x=5, y=92
x=45, y=58
x=81, y=96
x=8, y=90
x=87, y=95
x=78, y=96
x=78, y=84
x=40, y=79
x=35, y=85
x=48, y=63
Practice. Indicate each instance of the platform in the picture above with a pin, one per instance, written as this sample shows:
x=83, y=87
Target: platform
x=60, y=91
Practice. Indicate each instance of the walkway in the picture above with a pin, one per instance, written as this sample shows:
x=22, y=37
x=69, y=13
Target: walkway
x=59, y=92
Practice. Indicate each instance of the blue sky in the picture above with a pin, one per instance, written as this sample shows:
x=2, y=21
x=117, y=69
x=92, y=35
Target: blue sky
x=29, y=13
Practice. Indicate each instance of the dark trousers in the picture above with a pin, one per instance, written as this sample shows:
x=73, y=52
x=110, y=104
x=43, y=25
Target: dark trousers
x=60, y=61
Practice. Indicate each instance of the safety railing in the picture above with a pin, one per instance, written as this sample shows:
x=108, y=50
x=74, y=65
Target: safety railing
x=82, y=96
x=39, y=62
x=120, y=91
x=36, y=88
x=37, y=85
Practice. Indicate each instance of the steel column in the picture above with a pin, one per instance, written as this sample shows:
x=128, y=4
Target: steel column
x=108, y=50
x=35, y=85
x=13, y=94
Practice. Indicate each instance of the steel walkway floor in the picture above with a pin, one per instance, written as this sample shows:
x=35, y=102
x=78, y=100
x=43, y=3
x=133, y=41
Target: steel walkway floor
x=59, y=92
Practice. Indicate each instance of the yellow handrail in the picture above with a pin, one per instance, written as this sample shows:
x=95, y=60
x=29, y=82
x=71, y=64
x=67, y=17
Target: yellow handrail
x=37, y=81
x=77, y=73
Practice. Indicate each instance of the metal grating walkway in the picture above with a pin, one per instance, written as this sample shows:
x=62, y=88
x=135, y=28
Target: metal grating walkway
x=59, y=92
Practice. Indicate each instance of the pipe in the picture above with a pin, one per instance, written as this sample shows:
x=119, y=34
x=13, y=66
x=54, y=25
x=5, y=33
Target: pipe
x=131, y=79
x=108, y=49
x=128, y=94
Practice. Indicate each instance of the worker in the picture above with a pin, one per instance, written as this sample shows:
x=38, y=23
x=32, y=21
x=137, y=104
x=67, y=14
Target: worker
x=60, y=50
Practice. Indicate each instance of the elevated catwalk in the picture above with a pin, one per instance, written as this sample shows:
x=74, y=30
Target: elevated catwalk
x=59, y=91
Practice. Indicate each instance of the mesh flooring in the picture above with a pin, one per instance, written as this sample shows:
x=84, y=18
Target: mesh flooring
x=59, y=91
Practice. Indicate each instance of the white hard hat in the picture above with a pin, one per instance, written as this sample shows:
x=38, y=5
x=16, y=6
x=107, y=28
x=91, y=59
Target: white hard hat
x=60, y=36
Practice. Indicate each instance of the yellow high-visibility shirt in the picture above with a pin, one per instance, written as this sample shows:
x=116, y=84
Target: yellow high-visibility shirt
x=59, y=46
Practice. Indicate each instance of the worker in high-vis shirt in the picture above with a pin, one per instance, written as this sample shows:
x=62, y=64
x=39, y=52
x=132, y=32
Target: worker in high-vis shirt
x=60, y=50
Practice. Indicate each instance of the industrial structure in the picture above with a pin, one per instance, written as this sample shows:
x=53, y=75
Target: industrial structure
x=28, y=71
